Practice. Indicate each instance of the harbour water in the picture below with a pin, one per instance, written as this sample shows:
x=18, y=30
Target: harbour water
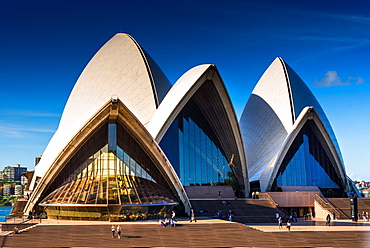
x=4, y=211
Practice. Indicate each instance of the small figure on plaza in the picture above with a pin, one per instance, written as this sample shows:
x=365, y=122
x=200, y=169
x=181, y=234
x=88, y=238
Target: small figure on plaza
x=113, y=229
x=328, y=219
x=192, y=216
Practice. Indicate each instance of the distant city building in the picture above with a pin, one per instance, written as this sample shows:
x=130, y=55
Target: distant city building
x=12, y=173
x=363, y=187
x=8, y=190
x=24, y=179
x=18, y=190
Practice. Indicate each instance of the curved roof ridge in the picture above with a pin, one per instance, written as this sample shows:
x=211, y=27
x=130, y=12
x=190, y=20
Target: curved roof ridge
x=302, y=97
x=271, y=115
x=180, y=94
x=119, y=69
x=292, y=110
x=160, y=88
x=273, y=88
x=308, y=113
x=114, y=109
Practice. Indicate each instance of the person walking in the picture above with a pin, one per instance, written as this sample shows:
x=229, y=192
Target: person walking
x=364, y=216
x=277, y=216
x=173, y=216
x=295, y=216
x=113, y=229
x=288, y=225
x=280, y=222
x=192, y=216
x=328, y=219
x=119, y=229
x=230, y=215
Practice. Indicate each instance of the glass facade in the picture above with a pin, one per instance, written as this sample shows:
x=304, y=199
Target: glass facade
x=302, y=97
x=307, y=164
x=193, y=150
x=109, y=182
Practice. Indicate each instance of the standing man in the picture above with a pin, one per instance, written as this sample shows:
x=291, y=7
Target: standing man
x=192, y=216
x=328, y=219
x=295, y=216
x=280, y=222
x=277, y=216
x=119, y=229
x=113, y=229
x=288, y=225
x=173, y=216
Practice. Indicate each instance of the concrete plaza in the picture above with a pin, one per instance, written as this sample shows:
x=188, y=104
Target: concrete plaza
x=203, y=233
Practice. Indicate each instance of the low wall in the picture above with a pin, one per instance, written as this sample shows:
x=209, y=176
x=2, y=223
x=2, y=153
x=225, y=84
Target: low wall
x=294, y=199
x=321, y=212
x=209, y=192
x=10, y=226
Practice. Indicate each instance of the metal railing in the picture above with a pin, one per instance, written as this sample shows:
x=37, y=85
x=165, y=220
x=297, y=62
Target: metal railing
x=268, y=197
x=337, y=213
x=21, y=219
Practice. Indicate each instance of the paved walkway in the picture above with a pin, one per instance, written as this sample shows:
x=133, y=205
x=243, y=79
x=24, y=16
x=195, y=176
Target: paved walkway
x=316, y=226
x=204, y=233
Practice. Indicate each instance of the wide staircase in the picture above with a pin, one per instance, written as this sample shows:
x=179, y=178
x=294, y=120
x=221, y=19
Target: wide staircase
x=342, y=206
x=18, y=207
x=245, y=210
x=363, y=204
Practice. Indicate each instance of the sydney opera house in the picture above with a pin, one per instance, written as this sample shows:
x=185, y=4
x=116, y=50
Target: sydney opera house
x=287, y=137
x=129, y=142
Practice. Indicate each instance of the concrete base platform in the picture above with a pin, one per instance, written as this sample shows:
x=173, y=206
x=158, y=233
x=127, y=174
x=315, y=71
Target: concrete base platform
x=203, y=233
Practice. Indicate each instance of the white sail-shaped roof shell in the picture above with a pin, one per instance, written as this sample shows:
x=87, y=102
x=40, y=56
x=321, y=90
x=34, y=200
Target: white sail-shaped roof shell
x=271, y=115
x=120, y=69
x=181, y=92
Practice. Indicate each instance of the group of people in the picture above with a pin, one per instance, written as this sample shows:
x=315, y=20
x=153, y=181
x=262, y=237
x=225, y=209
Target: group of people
x=365, y=216
x=172, y=222
x=288, y=223
x=255, y=195
x=167, y=222
x=202, y=212
x=217, y=214
x=117, y=229
x=291, y=219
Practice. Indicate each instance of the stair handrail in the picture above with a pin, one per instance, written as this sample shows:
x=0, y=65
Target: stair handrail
x=329, y=207
x=270, y=198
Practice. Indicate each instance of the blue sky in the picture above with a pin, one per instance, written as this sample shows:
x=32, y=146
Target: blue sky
x=44, y=46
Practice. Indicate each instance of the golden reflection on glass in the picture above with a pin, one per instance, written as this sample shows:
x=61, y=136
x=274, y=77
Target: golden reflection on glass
x=107, y=179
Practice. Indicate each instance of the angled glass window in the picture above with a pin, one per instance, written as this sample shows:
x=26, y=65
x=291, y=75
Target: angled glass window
x=193, y=150
x=307, y=164
x=119, y=172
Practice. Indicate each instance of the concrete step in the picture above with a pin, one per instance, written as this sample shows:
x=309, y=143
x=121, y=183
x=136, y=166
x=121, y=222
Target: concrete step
x=225, y=234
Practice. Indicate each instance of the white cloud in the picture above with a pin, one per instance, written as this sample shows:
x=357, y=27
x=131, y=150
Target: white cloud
x=16, y=131
x=332, y=79
x=12, y=112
